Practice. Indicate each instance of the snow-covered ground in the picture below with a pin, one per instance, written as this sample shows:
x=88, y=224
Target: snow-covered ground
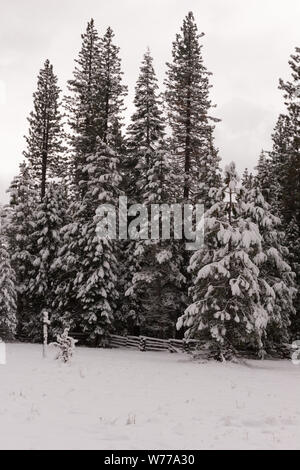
x=123, y=399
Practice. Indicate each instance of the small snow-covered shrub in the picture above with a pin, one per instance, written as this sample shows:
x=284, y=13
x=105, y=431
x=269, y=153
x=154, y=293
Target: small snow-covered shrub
x=65, y=345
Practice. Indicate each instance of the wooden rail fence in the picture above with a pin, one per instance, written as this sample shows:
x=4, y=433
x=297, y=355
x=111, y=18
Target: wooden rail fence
x=146, y=343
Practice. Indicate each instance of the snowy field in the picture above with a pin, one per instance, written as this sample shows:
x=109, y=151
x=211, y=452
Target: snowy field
x=123, y=399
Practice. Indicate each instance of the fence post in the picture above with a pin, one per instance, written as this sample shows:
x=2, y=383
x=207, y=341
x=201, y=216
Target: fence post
x=186, y=346
x=46, y=323
x=142, y=344
x=171, y=347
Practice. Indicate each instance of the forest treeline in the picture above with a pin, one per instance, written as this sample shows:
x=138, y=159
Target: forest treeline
x=241, y=288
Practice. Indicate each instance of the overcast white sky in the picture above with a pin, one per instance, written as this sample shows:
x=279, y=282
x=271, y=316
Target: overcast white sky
x=246, y=45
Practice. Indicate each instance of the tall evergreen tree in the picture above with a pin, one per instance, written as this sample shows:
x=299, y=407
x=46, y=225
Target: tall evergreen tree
x=189, y=111
x=147, y=129
x=292, y=241
x=275, y=167
x=44, y=153
x=88, y=265
x=8, y=294
x=45, y=138
x=247, y=179
x=285, y=163
x=158, y=284
x=242, y=288
x=48, y=219
x=264, y=175
x=83, y=104
x=291, y=188
x=285, y=154
x=111, y=91
x=147, y=126
x=8, y=290
x=275, y=273
x=24, y=198
x=144, y=137
x=95, y=102
x=225, y=297
x=154, y=286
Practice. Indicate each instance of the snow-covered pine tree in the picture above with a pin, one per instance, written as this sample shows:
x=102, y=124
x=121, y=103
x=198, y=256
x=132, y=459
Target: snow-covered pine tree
x=247, y=179
x=48, y=219
x=82, y=106
x=89, y=268
x=158, y=283
x=109, y=95
x=66, y=307
x=147, y=129
x=285, y=154
x=111, y=90
x=154, y=286
x=292, y=241
x=147, y=125
x=8, y=290
x=189, y=112
x=279, y=157
x=226, y=305
x=291, y=182
x=88, y=294
x=95, y=103
x=44, y=154
x=209, y=174
x=285, y=160
x=143, y=137
x=264, y=176
x=24, y=197
x=45, y=138
x=275, y=274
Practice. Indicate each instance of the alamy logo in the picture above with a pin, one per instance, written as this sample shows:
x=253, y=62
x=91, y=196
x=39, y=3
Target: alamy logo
x=155, y=222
